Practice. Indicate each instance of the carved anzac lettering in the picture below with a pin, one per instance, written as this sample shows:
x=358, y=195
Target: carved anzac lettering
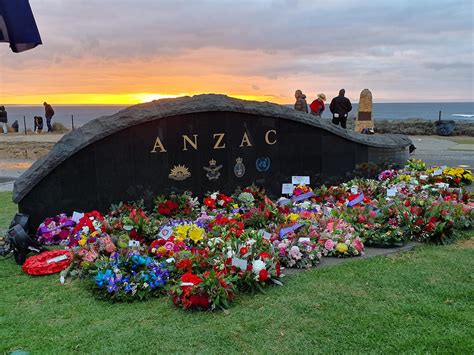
x=268, y=140
x=246, y=140
x=158, y=144
x=219, y=139
x=194, y=143
x=219, y=143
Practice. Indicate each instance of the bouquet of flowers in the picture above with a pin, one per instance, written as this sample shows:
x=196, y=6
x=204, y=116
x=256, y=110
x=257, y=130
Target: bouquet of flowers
x=88, y=241
x=369, y=187
x=252, y=259
x=246, y=198
x=55, y=230
x=216, y=200
x=194, y=260
x=263, y=214
x=133, y=219
x=428, y=219
x=457, y=176
x=338, y=239
x=166, y=248
x=208, y=291
x=189, y=232
x=129, y=277
x=415, y=165
x=88, y=230
x=299, y=252
x=387, y=175
x=177, y=205
x=376, y=226
x=301, y=189
x=91, y=222
x=225, y=227
x=331, y=196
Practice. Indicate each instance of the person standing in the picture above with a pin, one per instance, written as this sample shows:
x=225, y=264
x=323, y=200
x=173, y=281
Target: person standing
x=300, y=104
x=3, y=119
x=48, y=113
x=317, y=106
x=340, y=107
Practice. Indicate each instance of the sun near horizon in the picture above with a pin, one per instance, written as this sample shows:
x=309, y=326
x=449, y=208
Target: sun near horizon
x=113, y=99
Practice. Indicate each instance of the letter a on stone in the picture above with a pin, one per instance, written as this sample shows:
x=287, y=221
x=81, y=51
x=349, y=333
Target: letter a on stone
x=158, y=144
x=245, y=141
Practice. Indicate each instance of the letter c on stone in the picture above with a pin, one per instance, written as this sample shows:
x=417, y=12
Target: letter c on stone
x=267, y=140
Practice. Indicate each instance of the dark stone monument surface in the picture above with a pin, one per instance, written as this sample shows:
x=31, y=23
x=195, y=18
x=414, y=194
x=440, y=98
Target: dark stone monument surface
x=201, y=143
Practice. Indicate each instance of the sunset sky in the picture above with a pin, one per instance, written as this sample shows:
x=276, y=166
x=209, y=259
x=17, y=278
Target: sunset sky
x=124, y=52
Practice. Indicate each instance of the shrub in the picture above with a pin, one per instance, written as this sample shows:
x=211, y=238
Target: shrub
x=59, y=128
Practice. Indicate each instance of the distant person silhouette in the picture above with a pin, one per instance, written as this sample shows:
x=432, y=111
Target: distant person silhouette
x=3, y=119
x=340, y=108
x=48, y=113
x=15, y=126
x=300, y=104
x=38, y=124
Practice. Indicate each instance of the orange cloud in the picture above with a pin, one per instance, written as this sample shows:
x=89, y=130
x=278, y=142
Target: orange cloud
x=86, y=80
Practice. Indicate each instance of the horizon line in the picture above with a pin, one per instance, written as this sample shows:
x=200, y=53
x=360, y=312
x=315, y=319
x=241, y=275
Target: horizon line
x=139, y=103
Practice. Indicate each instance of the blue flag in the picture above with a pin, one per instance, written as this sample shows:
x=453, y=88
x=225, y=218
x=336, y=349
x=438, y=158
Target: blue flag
x=18, y=26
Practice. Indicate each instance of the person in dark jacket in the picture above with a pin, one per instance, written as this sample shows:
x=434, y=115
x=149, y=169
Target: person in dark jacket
x=300, y=104
x=38, y=124
x=15, y=126
x=48, y=113
x=317, y=106
x=340, y=108
x=3, y=119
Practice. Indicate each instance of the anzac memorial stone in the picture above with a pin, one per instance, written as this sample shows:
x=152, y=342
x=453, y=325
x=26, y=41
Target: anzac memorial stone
x=365, y=117
x=201, y=143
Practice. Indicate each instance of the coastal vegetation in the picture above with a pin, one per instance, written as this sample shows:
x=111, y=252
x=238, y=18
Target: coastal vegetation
x=418, y=127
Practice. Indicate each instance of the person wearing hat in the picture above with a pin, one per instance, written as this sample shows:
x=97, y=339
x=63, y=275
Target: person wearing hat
x=3, y=119
x=317, y=106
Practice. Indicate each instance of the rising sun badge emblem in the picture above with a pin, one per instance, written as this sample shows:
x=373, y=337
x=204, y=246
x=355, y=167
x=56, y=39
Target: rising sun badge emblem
x=179, y=172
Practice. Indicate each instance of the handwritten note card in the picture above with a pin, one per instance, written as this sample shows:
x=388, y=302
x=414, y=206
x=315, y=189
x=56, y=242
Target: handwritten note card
x=300, y=180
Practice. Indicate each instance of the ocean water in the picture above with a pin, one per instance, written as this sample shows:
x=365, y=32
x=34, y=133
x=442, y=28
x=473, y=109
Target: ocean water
x=423, y=110
x=62, y=114
x=382, y=111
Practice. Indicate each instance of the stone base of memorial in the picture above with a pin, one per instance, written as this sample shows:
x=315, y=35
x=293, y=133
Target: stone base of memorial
x=365, y=118
x=201, y=143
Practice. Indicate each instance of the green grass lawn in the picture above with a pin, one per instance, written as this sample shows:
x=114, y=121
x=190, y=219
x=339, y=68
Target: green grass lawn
x=7, y=209
x=461, y=139
x=419, y=301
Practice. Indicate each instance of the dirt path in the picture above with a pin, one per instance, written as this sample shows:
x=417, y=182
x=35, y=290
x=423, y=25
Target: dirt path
x=29, y=146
